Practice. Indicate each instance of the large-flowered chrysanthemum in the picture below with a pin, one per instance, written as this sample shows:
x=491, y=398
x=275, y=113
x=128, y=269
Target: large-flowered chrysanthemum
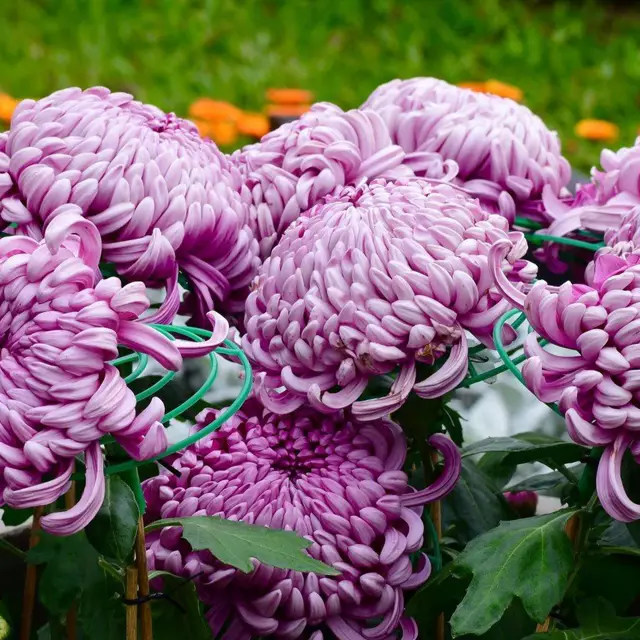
x=379, y=277
x=299, y=163
x=505, y=154
x=59, y=327
x=597, y=383
x=601, y=204
x=336, y=482
x=160, y=196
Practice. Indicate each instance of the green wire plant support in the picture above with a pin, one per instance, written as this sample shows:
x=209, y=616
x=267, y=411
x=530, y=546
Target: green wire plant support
x=128, y=469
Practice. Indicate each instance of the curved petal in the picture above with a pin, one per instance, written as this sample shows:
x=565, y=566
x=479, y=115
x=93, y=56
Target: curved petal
x=64, y=523
x=445, y=481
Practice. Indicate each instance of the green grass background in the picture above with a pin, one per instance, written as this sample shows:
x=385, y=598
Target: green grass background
x=573, y=60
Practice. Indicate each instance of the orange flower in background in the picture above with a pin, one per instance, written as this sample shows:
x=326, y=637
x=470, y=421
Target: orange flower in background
x=222, y=132
x=504, y=90
x=289, y=96
x=495, y=87
x=474, y=86
x=254, y=125
x=600, y=130
x=214, y=110
x=7, y=106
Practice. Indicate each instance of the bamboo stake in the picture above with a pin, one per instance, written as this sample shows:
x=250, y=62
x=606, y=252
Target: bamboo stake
x=132, y=609
x=31, y=580
x=72, y=614
x=146, y=624
x=436, y=517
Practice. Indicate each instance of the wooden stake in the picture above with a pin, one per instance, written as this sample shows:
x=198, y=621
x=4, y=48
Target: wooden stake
x=436, y=517
x=31, y=580
x=146, y=624
x=572, y=528
x=72, y=614
x=132, y=609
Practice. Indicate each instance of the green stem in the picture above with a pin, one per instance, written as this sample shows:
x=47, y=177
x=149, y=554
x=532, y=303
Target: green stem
x=110, y=569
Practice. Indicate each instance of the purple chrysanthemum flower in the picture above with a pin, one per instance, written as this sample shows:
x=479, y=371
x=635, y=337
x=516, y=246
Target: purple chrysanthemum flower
x=59, y=327
x=505, y=154
x=295, y=166
x=601, y=204
x=524, y=503
x=379, y=277
x=338, y=483
x=161, y=197
x=597, y=383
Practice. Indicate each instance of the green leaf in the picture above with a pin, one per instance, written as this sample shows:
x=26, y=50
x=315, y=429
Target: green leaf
x=101, y=614
x=529, y=448
x=618, y=577
x=113, y=531
x=452, y=422
x=474, y=505
x=546, y=484
x=169, y=622
x=529, y=559
x=73, y=572
x=598, y=621
x=493, y=465
x=514, y=624
x=235, y=543
x=69, y=563
x=15, y=517
x=441, y=593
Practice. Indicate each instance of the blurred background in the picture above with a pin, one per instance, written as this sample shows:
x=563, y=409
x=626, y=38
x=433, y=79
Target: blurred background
x=571, y=60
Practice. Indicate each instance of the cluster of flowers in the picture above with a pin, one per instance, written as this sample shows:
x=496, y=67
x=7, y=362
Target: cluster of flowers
x=345, y=245
x=60, y=324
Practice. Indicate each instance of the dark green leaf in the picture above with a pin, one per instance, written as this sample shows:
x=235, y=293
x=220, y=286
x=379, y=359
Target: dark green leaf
x=169, y=622
x=529, y=559
x=617, y=535
x=493, y=465
x=15, y=517
x=598, y=621
x=474, y=505
x=452, y=422
x=101, y=614
x=529, y=448
x=514, y=624
x=235, y=543
x=53, y=630
x=617, y=577
x=113, y=531
x=72, y=572
x=70, y=560
x=441, y=593
x=546, y=484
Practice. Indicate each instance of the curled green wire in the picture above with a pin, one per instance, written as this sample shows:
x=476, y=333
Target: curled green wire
x=539, y=238
x=509, y=363
x=230, y=349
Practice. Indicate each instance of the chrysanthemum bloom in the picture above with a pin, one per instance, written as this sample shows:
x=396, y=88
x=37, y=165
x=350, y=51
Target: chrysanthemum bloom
x=505, y=153
x=299, y=163
x=161, y=197
x=601, y=204
x=381, y=276
x=597, y=383
x=524, y=503
x=59, y=327
x=336, y=482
